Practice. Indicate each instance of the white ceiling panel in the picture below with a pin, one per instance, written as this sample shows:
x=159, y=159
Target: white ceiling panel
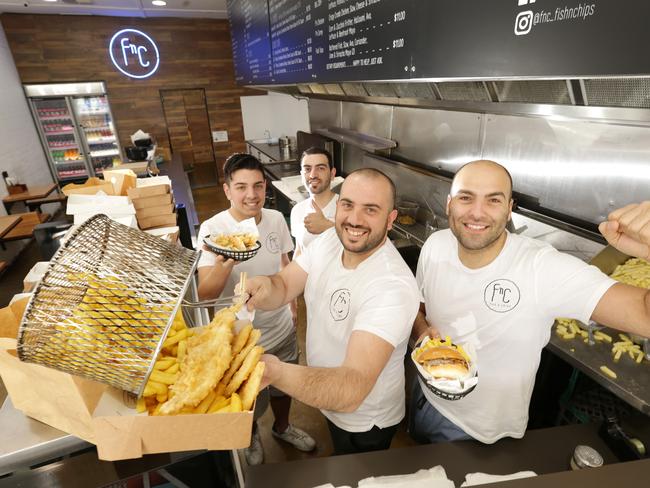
x=214, y=9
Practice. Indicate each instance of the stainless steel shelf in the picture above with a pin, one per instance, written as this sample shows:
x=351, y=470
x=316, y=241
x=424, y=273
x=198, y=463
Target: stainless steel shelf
x=366, y=142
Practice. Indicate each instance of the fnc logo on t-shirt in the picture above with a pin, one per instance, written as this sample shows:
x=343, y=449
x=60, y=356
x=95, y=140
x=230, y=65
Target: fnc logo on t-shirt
x=340, y=304
x=501, y=295
x=273, y=242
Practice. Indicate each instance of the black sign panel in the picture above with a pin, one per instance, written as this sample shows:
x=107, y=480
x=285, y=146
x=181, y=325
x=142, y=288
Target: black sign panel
x=251, y=45
x=537, y=38
x=327, y=40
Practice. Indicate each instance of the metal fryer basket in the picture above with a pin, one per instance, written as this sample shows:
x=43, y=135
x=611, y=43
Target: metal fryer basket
x=105, y=304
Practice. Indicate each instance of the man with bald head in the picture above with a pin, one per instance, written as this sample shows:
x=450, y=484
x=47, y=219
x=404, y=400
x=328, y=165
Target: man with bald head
x=501, y=292
x=361, y=301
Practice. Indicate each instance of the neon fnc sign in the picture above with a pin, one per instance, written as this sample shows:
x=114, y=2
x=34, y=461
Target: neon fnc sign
x=134, y=53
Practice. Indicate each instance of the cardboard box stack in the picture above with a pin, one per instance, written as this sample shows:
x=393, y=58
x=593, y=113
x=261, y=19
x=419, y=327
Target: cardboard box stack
x=154, y=202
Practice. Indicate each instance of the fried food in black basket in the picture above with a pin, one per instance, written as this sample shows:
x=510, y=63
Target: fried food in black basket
x=240, y=247
x=442, y=364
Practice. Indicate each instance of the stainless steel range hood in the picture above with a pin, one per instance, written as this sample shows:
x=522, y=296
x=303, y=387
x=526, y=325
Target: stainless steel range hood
x=577, y=148
x=565, y=97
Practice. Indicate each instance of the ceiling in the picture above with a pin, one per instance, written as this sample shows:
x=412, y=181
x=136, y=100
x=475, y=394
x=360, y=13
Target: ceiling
x=215, y=9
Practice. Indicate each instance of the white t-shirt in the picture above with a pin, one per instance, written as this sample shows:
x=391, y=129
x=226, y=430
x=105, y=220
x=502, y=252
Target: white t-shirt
x=380, y=296
x=506, y=310
x=298, y=214
x=277, y=324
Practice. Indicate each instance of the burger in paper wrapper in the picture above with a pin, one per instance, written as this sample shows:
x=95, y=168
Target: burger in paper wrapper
x=446, y=368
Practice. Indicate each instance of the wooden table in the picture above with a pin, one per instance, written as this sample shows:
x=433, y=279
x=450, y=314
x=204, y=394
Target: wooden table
x=7, y=223
x=35, y=192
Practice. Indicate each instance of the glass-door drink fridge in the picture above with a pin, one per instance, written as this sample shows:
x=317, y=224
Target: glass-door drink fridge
x=76, y=127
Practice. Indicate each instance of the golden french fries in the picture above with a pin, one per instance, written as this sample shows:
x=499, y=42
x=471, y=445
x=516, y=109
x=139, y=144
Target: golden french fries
x=634, y=271
x=205, y=370
x=246, y=368
x=250, y=388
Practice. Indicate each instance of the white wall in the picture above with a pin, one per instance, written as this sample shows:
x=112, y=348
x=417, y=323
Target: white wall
x=280, y=114
x=21, y=152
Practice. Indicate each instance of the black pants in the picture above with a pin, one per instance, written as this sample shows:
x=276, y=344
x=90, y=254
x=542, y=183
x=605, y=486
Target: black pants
x=346, y=442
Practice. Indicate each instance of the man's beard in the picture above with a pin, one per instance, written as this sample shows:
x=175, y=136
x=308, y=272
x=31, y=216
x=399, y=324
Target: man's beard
x=372, y=239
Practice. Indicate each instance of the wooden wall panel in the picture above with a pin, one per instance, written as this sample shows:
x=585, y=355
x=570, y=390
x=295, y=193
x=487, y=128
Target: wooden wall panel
x=194, y=53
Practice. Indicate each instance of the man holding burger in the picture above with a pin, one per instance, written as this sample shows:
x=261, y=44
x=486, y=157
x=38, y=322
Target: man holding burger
x=361, y=301
x=501, y=292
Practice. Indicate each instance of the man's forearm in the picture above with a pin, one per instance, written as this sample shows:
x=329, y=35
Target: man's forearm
x=276, y=295
x=338, y=389
x=211, y=284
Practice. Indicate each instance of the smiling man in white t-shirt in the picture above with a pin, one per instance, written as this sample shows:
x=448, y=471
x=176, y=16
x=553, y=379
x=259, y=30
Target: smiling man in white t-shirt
x=245, y=188
x=361, y=299
x=501, y=292
x=315, y=215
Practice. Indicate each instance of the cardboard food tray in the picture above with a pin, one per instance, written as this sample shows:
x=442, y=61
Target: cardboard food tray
x=97, y=413
x=166, y=209
x=91, y=186
x=152, y=201
x=157, y=221
x=147, y=191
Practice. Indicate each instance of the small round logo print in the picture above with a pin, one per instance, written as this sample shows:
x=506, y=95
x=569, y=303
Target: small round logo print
x=273, y=243
x=340, y=304
x=501, y=295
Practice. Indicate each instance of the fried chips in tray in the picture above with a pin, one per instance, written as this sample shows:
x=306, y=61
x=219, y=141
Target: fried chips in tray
x=243, y=241
x=207, y=369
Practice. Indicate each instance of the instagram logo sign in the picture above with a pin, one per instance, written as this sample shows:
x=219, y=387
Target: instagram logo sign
x=524, y=20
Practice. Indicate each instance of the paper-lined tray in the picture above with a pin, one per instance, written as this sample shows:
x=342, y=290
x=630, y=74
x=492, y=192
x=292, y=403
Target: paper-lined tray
x=447, y=388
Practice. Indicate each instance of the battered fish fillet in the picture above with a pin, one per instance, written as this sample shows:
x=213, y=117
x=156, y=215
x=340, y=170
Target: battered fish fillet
x=207, y=359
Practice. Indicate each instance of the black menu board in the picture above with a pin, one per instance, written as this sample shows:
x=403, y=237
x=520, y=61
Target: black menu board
x=251, y=46
x=301, y=41
x=332, y=40
x=510, y=38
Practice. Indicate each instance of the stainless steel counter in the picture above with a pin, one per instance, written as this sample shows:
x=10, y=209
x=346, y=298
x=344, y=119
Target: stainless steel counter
x=273, y=151
x=633, y=380
x=25, y=441
x=277, y=171
x=544, y=451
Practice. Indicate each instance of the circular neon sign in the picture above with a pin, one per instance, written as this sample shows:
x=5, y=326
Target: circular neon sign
x=134, y=53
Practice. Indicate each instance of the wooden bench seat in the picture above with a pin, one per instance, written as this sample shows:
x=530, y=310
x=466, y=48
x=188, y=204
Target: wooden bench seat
x=25, y=228
x=35, y=205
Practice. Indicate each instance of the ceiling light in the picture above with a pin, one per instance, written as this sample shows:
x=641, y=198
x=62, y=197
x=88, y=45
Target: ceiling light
x=159, y=3
x=50, y=0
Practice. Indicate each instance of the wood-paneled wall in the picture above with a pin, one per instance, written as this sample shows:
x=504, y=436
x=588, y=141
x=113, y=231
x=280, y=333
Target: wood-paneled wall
x=194, y=53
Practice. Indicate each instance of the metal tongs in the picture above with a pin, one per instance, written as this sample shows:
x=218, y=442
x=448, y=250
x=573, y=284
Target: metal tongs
x=239, y=298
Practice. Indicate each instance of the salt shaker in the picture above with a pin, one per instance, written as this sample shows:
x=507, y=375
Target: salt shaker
x=585, y=457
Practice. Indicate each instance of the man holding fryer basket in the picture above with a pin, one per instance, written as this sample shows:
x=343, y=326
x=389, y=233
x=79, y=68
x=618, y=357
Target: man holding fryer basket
x=499, y=293
x=361, y=300
x=223, y=250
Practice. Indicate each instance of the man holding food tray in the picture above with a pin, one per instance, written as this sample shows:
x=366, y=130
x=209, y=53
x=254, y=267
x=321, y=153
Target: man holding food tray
x=499, y=293
x=245, y=188
x=315, y=215
x=361, y=301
